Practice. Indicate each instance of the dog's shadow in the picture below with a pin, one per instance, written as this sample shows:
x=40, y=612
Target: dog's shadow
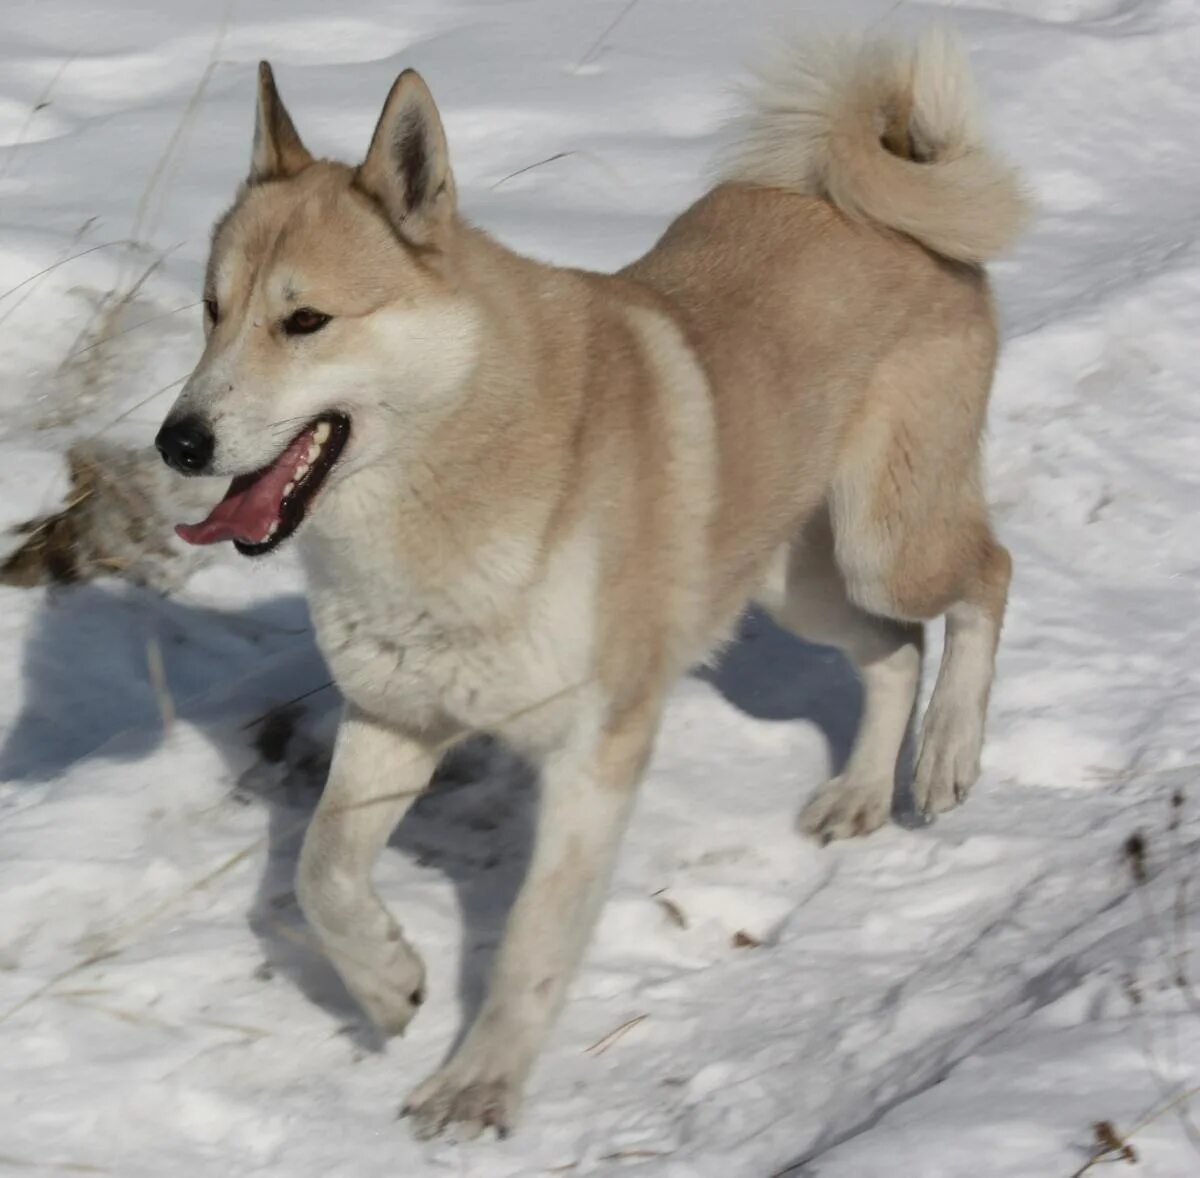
x=103, y=662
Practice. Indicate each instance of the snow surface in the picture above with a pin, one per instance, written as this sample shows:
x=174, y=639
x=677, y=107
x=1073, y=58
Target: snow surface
x=965, y=999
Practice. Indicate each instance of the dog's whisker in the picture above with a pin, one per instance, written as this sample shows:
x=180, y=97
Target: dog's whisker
x=288, y=422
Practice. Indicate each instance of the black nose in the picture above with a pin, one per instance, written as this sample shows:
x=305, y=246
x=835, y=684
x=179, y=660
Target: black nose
x=186, y=444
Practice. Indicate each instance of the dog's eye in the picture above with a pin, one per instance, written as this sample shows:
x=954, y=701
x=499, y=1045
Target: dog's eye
x=211, y=309
x=305, y=321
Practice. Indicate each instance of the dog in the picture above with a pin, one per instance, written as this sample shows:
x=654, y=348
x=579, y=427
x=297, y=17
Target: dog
x=527, y=499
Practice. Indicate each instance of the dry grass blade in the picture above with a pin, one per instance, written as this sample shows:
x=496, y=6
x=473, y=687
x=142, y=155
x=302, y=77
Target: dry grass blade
x=49, y=549
x=558, y=155
x=1183, y=950
x=7, y=1159
x=182, y=127
x=627, y=1155
x=189, y=110
x=237, y=1028
x=121, y=934
x=86, y=999
x=675, y=914
x=287, y=703
x=40, y=103
x=135, y=1018
x=51, y=982
x=140, y=405
x=132, y=327
x=614, y=1036
x=158, y=683
x=104, y=245
x=444, y=746
x=598, y=43
x=108, y=311
x=1121, y=776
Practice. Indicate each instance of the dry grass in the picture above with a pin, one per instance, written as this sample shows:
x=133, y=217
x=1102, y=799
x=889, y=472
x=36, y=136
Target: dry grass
x=673, y=912
x=1114, y=1146
x=39, y=274
x=609, y=29
x=62, y=546
x=615, y=1036
x=1110, y=1143
x=40, y=103
x=15, y=1163
x=120, y=938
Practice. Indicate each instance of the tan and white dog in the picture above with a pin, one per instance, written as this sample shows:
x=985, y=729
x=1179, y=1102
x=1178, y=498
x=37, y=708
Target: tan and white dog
x=527, y=498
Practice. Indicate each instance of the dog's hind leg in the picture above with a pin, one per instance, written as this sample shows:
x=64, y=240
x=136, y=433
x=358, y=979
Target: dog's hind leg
x=952, y=733
x=375, y=777
x=887, y=655
x=913, y=542
x=586, y=791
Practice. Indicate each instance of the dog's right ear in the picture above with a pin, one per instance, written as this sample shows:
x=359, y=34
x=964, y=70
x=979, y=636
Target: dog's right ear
x=407, y=169
x=278, y=152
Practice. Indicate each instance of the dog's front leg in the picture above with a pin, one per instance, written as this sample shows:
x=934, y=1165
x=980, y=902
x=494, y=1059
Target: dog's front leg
x=377, y=773
x=586, y=791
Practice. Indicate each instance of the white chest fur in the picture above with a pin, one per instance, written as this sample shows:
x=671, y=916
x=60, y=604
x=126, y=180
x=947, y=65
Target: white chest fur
x=494, y=651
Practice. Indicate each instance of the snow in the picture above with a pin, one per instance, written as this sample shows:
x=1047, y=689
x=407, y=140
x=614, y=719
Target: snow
x=968, y=998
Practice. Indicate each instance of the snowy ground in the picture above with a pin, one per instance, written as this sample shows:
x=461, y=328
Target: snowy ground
x=967, y=999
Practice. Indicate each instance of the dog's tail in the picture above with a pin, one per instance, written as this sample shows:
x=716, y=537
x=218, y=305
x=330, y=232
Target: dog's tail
x=889, y=134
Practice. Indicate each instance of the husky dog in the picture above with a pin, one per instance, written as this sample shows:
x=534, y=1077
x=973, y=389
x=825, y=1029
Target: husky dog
x=527, y=499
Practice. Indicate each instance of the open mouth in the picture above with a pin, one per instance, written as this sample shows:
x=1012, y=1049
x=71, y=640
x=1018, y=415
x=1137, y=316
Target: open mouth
x=262, y=509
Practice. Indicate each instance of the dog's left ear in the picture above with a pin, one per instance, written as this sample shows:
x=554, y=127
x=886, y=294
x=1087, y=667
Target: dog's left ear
x=407, y=169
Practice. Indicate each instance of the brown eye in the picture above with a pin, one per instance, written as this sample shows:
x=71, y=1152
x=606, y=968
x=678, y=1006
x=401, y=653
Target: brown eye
x=305, y=321
x=211, y=309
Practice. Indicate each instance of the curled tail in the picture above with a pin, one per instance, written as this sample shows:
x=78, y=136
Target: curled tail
x=889, y=134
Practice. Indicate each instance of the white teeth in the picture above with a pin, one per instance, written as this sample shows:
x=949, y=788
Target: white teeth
x=321, y=434
x=272, y=530
x=289, y=488
x=301, y=471
x=314, y=452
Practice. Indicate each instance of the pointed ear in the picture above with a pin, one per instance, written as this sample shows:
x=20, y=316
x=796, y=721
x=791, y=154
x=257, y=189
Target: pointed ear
x=407, y=169
x=278, y=152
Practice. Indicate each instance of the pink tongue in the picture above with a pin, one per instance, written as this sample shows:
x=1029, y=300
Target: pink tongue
x=252, y=503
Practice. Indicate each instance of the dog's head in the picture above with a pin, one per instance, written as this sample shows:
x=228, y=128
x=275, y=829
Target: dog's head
x=332, y=319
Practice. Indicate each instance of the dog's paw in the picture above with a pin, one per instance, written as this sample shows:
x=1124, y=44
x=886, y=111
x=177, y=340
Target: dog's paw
x=463, y=1100
x=391, y=1011
x=846, y=808
x=948, y=762
x=391, y=1002
x=387, y=981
